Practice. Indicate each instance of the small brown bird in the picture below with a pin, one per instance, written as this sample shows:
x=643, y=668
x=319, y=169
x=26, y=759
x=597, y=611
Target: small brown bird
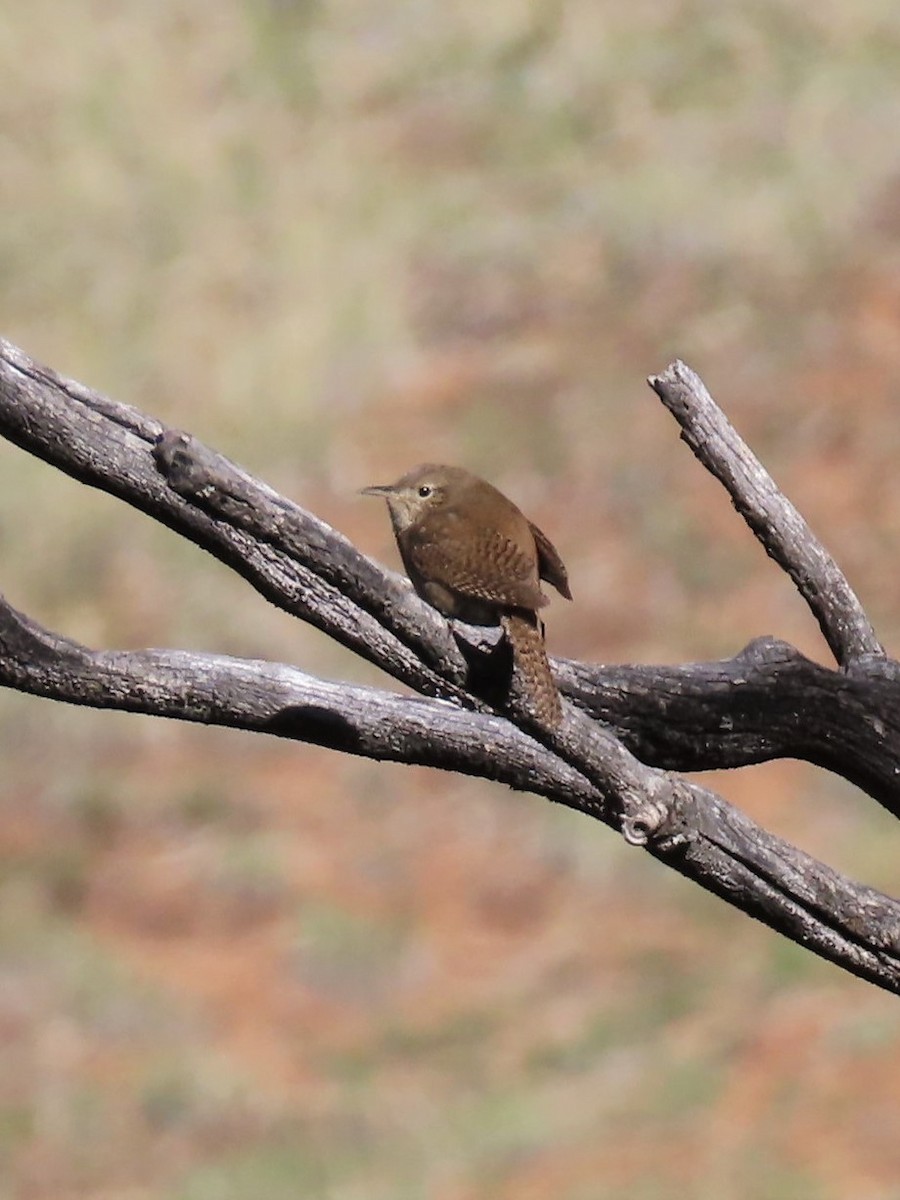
x=471, y=553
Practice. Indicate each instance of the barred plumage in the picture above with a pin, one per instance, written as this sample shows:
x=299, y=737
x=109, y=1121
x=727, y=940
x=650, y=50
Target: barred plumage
x=471, y=553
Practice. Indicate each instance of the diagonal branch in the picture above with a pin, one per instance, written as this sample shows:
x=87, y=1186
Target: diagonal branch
x=300, y=563
x=291, y=557
x=783, y=532
x=682, y=824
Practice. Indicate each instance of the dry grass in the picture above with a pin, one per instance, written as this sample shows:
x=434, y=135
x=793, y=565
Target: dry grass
x=334, y=240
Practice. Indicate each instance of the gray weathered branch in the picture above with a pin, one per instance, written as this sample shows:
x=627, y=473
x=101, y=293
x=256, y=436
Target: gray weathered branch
x=625, y=730
x=773, y=519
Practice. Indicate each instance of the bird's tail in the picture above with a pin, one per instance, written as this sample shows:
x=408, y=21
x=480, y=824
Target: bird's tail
x=533, y=690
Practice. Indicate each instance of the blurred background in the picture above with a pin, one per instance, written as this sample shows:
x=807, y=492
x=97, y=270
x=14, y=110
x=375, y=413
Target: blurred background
x=334, y=240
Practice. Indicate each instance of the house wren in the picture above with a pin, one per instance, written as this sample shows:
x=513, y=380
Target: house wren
x=473, y=555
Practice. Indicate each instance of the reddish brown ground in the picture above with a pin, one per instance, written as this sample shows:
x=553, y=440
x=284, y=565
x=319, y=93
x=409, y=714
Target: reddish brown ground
x=429, y=968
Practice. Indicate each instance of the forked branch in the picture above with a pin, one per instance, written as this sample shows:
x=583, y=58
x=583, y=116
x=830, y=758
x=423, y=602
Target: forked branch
x=625, y=729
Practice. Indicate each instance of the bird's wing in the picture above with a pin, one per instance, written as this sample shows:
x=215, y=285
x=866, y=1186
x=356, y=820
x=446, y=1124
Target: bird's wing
x=550, y=565
x=480, y=564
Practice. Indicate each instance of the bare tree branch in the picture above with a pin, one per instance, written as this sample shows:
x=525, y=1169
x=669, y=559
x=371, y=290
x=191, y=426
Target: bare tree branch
x=766, y=702
x=784, y=534
x=682, y=824
x=293, y=559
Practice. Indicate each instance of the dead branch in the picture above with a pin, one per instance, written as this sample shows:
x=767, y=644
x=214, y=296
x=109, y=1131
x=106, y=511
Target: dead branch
x=773, y=519
x=625, y=729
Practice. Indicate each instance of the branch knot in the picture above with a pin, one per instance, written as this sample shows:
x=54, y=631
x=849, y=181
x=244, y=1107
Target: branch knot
x=643, y=819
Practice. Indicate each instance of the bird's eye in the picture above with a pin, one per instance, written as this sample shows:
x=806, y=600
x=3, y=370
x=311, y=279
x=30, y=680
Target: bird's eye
x=425, y=490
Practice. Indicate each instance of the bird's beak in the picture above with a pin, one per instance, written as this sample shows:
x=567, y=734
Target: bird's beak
x=377, y=489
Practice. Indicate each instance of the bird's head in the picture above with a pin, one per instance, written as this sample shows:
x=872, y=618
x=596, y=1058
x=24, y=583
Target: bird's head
x=419, y=491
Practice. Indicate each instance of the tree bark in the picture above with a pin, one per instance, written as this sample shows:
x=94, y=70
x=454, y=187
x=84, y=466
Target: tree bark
x=626, y=730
